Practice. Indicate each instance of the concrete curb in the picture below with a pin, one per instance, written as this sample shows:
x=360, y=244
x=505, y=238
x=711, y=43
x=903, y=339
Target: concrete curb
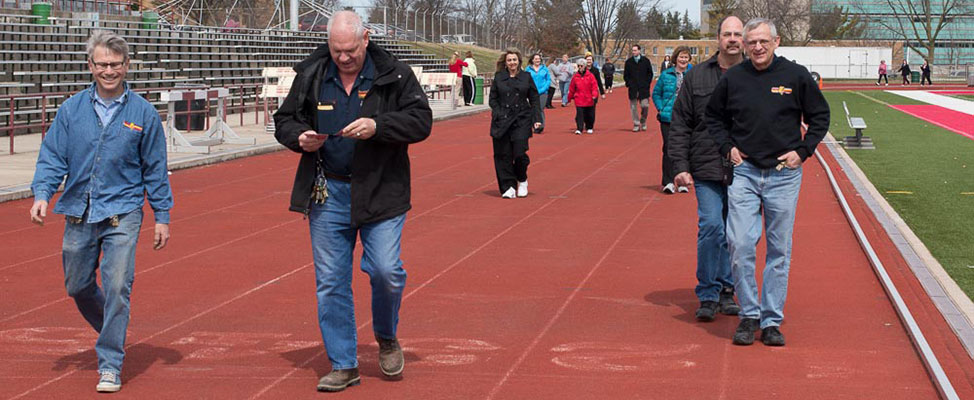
x=950, y=299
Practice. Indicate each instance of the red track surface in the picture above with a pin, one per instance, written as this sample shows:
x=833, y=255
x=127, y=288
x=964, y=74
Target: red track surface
x=892, y=86
x=954, y=121
x=582, y=290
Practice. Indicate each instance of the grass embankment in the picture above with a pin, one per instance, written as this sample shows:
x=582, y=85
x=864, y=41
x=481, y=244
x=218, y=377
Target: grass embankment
x=933, y=165
x=484, y=57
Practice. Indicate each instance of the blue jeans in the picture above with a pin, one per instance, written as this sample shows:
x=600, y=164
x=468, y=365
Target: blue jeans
x=564, y=91
x=776, y=194
x=713, y=260
x=107, y=311
x=332, y=243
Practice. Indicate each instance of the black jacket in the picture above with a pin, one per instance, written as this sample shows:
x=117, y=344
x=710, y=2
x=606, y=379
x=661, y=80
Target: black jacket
x=760, y=112
x=608, y=69
x=513, y=105
x=691, y=148
x=598, y=79
x=380, y=165
x=638, y=77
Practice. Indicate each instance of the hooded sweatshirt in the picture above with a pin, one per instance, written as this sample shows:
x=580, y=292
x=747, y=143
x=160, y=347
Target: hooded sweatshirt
x=761, y=112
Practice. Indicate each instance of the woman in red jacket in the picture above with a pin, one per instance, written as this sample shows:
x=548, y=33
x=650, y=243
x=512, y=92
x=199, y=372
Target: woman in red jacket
x=456, y=65
x=583, y=90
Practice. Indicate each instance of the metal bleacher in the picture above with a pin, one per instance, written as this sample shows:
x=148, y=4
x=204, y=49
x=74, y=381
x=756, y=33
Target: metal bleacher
x=49, y=61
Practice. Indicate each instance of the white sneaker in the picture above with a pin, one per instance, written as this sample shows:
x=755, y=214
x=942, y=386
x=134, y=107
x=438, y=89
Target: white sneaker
x=578, y=132
x=669, y=188
x=109, y=382
x=635, y=128
x=589, y=132
x=522, y=189
x=683, y=189
x=643, y=127
x=509, y=194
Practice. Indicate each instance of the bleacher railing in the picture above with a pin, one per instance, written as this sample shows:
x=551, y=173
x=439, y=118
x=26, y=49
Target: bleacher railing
x=244, y=98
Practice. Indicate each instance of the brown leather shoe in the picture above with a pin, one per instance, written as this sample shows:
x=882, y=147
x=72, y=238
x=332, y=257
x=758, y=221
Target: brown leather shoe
x=339, y=379
x=391, y=361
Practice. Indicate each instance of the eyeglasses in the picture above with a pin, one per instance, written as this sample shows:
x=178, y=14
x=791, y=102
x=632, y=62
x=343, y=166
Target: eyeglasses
x=755, y=43
x=102, y=66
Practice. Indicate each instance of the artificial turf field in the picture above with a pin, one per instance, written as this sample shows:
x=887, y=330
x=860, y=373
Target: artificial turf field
x=925, y=172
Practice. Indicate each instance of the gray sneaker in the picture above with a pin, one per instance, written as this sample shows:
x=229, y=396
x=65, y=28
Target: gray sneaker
x=339, y=379
x=391, y=361
x=108, y=382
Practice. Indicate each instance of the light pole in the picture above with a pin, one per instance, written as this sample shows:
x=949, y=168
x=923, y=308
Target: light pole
x=425, y=32
x=416, y=24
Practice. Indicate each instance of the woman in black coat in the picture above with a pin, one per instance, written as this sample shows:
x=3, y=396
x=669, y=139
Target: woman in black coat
x=514, y=115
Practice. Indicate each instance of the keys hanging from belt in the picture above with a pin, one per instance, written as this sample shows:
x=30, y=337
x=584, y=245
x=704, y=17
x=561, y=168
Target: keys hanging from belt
x=113, y=221
x=320, y=192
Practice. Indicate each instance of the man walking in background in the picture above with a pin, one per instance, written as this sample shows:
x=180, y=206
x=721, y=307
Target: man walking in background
x=565, y=72
x=638, y=76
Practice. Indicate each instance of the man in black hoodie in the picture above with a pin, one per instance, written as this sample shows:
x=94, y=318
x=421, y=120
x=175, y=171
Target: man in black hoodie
x=352, y=112
x=755, y=116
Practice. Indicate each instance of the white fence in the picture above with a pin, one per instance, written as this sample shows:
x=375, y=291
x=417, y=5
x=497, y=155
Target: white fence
x=841, y=62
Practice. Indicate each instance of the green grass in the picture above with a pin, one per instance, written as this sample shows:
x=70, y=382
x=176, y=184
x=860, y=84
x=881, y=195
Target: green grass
x=935, y=164
x=968, y=97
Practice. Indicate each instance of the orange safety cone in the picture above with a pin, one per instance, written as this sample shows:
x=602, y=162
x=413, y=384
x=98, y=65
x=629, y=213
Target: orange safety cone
x=821, y=83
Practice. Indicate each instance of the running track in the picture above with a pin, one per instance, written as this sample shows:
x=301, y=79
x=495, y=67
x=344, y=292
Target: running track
x=583, y=290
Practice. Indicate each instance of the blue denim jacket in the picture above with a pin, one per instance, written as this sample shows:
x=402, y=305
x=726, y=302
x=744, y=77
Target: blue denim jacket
x=110, y=169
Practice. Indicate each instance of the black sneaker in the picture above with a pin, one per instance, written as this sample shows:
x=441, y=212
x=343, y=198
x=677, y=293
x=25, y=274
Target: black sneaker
x=771, y=336
x=339, y=379
x=744, y=335
x=727, y=304
x=707, y=311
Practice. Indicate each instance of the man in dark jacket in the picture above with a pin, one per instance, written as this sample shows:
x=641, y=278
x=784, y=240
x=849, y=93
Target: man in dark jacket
x=697, y=161
x=638, y=75
x=755, y=115
x=352, y=112
x=608, y=71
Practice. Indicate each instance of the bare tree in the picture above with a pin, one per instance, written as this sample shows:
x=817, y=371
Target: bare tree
x=601, y=18
x=553, y=26
x=629, y=29
x=718, y=10
x=918, y=22
x=836, y=23
x=791, y=17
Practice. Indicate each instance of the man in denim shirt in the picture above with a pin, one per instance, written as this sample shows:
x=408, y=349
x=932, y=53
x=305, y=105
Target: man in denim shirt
x=109, y=143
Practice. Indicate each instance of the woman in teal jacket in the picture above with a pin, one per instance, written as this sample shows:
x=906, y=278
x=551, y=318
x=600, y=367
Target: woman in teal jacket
x=542, y=80
x=664, y=96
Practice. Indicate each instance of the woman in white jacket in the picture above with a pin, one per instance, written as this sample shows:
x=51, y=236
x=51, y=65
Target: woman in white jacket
x=469, y=72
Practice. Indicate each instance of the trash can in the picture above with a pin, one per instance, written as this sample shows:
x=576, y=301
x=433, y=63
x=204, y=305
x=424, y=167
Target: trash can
x=195, y=121
x=478, y=90
x=42, y=10
x=914, y=76
x=150, y=20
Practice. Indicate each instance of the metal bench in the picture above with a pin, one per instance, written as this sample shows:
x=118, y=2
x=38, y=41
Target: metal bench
x=858, y=141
